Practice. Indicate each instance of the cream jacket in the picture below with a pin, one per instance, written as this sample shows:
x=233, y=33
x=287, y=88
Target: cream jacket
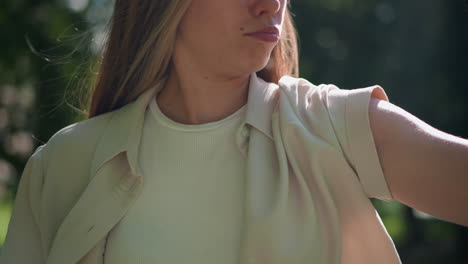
x=311, y=168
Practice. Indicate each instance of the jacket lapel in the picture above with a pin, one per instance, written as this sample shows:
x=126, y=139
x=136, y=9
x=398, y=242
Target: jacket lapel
x=115, y=183
x=105, y=200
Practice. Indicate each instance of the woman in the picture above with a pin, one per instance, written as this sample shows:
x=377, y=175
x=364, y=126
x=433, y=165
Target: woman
x=201, y=148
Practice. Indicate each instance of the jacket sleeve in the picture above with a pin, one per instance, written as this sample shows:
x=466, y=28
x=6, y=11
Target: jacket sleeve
x=23, y=244
x=349, y=113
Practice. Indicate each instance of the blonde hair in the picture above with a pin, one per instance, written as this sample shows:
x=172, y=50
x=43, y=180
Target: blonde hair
x=138, y=51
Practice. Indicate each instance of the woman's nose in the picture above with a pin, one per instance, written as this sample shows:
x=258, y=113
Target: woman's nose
x=265, y=7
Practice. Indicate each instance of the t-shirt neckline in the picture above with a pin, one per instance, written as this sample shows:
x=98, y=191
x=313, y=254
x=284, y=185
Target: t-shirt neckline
x=160, y=117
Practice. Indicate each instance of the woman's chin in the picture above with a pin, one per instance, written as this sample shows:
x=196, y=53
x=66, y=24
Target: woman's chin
x=259, y=64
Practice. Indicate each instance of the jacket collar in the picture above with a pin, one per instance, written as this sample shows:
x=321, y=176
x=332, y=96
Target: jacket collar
x=124, y=130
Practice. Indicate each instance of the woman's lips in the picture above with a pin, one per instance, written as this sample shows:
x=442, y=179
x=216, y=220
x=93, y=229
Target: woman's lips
x=265, y=36
x=269, y=33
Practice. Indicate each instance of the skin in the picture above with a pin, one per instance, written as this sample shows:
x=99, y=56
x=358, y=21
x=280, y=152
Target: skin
x=213, y=59
x=425, y=168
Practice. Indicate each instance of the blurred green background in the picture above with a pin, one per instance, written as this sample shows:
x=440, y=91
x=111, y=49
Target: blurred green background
x=416, y=50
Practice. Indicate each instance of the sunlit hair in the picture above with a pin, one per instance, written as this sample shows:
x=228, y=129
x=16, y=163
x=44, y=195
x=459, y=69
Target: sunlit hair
x=137, y=53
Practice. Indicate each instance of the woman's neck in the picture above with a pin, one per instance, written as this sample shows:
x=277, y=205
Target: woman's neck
x=198, y=98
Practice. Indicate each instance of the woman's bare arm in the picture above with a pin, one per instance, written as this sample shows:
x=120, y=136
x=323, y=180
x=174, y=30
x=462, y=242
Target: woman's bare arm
x=425, y=168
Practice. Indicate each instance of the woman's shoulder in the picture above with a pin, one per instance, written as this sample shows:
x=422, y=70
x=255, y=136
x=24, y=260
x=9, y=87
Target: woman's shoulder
x=80, y=138
x=327, y=110
x=80, y=141
x=81, y=132
x=303, y=87
x=307, y=98
x=302, y=92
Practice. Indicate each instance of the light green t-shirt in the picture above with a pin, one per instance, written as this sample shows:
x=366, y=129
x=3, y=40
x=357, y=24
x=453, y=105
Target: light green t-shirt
x=191, y=206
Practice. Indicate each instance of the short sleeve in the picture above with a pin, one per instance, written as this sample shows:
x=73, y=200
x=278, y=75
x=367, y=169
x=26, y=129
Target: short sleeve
x=349, y=110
